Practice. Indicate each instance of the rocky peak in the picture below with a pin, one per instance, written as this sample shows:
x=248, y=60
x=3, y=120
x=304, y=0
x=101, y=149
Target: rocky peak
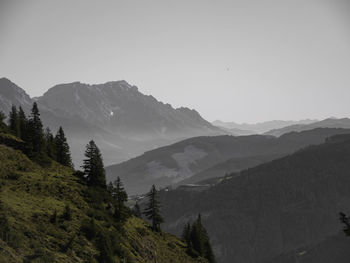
x=11, y=94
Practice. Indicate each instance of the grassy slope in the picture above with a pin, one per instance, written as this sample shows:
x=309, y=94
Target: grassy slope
x=30, y=194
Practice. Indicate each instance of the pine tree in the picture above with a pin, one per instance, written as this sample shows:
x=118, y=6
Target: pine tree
x=152, y=211
x=62, y=149
x=197, y=239
x=209, y=254
x=35, y=132
x=14, y=122
x=111, y=189
x=23, y=123
x=3, y=126
x=93, y=166
x=186, y=233
x=120, y=196
x=50, y=144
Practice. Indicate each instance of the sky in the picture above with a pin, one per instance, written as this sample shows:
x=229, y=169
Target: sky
x=237, y=60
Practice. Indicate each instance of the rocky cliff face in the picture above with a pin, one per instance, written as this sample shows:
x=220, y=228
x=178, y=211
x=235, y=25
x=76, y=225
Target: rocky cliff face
x=11, y=94
x=123, y=121
x=121, y=108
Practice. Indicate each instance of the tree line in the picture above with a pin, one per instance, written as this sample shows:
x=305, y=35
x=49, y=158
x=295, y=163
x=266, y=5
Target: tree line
x=196, y=237
x=42, y=147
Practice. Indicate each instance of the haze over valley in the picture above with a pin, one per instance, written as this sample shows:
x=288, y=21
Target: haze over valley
x=165, y=131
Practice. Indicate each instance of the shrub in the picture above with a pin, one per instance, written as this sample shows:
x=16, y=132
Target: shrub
x=13, y=176
x=67, y=214
x=89, y=228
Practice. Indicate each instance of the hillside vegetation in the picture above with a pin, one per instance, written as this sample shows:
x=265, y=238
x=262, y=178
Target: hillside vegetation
x=32, y=195
x=51, y=213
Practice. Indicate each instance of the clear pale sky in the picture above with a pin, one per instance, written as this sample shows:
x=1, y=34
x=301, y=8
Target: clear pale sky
x=237, y=60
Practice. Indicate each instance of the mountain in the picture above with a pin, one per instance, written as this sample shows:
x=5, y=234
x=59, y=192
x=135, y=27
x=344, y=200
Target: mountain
x=174, y=163
x=279, y=211
x=11, y=94
x=122, y=121
x=37, y=226
x=257, y=128
x=327, y=123
x=229, y=166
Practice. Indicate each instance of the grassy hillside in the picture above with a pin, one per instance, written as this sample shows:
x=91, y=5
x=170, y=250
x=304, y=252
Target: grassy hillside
x=36, y=227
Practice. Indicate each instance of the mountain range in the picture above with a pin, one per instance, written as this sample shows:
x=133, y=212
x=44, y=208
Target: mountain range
x=327, y=123
x=123, y=121
x=257, y=128
x=200, y=158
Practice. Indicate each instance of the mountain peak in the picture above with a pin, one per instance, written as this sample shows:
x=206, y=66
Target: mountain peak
x=11, y=94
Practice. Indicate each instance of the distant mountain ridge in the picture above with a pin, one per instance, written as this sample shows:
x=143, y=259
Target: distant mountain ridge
x=205, y=157
x=123, y=121
x=327, y=123
x=257, y=128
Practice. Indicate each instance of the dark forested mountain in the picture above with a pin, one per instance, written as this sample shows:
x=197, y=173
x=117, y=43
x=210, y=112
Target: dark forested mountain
x=122, y=120
x=257, y=128
x=174, y=163
x=282, y=211
x=327, y=123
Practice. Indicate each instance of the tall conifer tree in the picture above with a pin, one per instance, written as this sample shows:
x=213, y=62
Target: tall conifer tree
x=50, y=144
x=3, y=126
x=121, y=197
x=197, y=240
x=152, y=211
x=23, y=123
x=93, y=166
x=14, y=122
x=62, y=149
x=35, y=132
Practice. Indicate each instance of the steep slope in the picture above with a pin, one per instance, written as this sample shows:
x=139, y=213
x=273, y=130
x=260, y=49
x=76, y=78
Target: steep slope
x=11, y=94
x=30, y=197
x=180, y=161
x=327, y=123
x=258, y=128
x=121, y=107
x=232, y=165
x=123, y=121
x=274, y=209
